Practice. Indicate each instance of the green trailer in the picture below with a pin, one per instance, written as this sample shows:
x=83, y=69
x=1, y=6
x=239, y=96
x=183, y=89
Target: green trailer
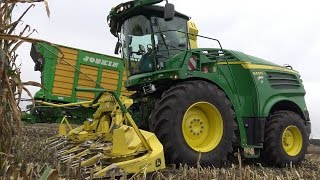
x=62, y=70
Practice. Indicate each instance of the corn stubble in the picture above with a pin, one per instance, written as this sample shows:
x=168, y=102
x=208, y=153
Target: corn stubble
x=31, y=160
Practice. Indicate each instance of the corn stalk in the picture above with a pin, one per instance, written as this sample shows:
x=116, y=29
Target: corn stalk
x=11, y=86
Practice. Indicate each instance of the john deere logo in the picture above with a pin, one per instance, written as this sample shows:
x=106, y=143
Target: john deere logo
x=100, y=61
x=158, y=162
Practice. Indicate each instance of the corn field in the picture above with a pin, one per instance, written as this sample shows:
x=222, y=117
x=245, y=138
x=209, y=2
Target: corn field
x=23, y=154
x=11, y=86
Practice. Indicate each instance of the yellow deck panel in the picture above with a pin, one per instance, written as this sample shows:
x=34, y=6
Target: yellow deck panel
x=64, y=79
x=109, y=71
x=89, y=71
x=70, y=56
x=89, y=67
x=68, y=50
x=87, y=77
x=62, y=85
x=67, y=59
x=112, y=88
x=73, y=63
x=109, y=81
x=109, y=87
x=87, y=83
x=111, y=76
x=65, y=67
x=108, y=84
x=85, y=95
x=61, y=91
x=64, y=73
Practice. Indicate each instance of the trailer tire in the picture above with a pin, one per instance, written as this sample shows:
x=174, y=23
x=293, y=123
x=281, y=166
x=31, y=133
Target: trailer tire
x=192, y=117
x=286, y=139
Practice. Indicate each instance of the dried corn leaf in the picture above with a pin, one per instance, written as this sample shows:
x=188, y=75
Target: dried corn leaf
x=47, y=7
x=19, y=19
x=32, y=83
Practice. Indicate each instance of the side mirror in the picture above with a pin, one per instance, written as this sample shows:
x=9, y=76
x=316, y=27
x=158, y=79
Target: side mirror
x=116, y=50
x=168, y=12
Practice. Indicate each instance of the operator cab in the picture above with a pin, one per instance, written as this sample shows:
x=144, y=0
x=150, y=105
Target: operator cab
x=148, y=38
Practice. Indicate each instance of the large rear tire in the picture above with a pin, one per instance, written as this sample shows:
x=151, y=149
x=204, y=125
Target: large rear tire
x=192, y=117
x=286, y=139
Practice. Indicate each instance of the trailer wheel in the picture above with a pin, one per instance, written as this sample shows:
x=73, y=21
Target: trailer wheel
x=286, y=139
x=193, y=117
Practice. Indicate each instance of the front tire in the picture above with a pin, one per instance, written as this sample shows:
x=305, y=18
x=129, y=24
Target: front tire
x=286, y=139
x=193, y=117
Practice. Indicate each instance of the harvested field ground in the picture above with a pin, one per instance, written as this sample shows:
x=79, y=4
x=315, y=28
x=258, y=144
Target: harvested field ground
x=30, y=161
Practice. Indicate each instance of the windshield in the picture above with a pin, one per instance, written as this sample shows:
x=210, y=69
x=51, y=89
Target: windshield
x=148, y=42
x=170, y=41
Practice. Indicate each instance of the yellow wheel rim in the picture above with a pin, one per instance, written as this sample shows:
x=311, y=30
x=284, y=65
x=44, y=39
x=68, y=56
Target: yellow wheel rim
x=202, y=127
x=292, y=140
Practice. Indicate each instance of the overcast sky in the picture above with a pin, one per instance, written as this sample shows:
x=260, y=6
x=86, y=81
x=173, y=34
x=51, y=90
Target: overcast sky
x=284, y=32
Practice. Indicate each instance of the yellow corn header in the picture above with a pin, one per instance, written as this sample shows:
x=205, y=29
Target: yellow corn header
x=111, y=141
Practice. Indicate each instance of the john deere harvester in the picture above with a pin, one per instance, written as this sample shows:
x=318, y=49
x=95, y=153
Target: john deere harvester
x=207, y=101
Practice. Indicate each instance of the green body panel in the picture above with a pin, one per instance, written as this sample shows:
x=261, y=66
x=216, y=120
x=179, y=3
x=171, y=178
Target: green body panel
x=271, y=85
x=248, y=88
